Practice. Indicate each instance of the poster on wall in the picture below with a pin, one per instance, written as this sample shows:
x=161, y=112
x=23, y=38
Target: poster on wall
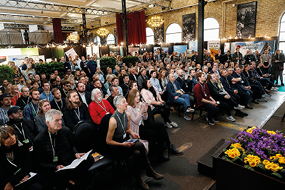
x=180, y=49
x=227, y=47
x=165, y=49
x=71, y=52
x=159, y=34
x=214, y=45
x=189, y=27
x=259, y=46
x=37, y=57
x=18, y=59
x=246, y=19
x=193, y=46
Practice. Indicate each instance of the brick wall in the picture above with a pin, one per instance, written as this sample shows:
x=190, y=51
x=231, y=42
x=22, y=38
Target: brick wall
x=268, y=15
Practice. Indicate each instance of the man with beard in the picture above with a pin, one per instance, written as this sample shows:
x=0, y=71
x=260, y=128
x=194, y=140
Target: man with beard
x=115, y=92
x=6, y=104
x=115, y=81
x=65, y=88
x=57, y=103
x=24, y=99
x=84, y=96
x=74, y=112
x=125, y=84
x=97, y=84
x=99, y=107
x=25, y=129
x=46, y=94
x=31, y=110
x=82, y=80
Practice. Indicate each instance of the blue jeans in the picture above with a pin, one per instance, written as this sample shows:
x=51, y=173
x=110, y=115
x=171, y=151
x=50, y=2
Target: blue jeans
x=185, y=100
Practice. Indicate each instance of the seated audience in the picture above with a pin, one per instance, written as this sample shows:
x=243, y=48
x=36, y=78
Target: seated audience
x=6, y=103
x=58, y=102
x=125, y=84
x=151, y=96
x=31, y=110
x=99, y=107
x=84, y=96
x=15, y=94
x=16, y=163
x=153, y=132
x=54, y=149
x=98, y=84
x=176, y=95
x=24, y=99
x=118, y=133
x=46, y=94
x=40, y=122
x=65, y=89
x=142, y=77
x=115, y=81
x=75, y=111
x=115, y=92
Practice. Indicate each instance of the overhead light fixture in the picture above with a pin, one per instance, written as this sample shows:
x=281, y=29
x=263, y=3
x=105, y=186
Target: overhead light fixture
x=151, y=5
x=102, y=32
x=155, y=21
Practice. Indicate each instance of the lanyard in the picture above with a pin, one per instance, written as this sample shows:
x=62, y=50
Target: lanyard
x=34, y=109
x=77, y=114
x=52, y=145
x=13, y=164
x=101, y=106
x=25, y=102
x=47, y=95
x=22, y=132
x=228, y=82
x=121, y=122
x=202, y=86
x=58, y=106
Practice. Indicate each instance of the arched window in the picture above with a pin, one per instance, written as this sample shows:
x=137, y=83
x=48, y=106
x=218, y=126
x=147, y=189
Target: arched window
x=282, y=34
x=211, y=29
x=174, y=33
x=149, y=36
x=97, y=40
x=110, y=39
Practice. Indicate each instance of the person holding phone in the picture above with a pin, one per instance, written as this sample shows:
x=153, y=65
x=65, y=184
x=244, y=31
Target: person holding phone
x=118, y=133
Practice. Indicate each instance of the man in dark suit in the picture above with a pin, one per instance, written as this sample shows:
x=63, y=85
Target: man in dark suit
x=195, y=57
x=84, y=96
x=125, y=84
x=54, y=148
x=66, y=64
x=133, y=76
x=57, y=103
x=176, y=95
x=25, y=129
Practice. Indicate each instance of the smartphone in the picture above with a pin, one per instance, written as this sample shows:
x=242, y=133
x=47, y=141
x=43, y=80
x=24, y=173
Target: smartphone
x=132, y=140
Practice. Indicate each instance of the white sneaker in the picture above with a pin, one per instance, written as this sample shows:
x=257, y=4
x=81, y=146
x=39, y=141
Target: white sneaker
x=173, y=124
x=230, y=118
x=167, y=124
x=239, y=107
x=187, y=117
x=190, y=110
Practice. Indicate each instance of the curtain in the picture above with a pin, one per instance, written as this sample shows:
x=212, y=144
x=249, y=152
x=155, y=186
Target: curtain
x=58, y=38
x=136, y=28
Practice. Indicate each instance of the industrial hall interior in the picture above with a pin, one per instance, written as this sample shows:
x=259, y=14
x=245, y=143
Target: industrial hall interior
x=142, y=94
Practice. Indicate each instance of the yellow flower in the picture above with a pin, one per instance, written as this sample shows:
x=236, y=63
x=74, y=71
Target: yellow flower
x=265, y=162
x=232, y=153
x=271, y=132
x=278, y=155
x=249, y=130
x=281, y=160
x=268, y=166
x=252, y=163
x=272, y=157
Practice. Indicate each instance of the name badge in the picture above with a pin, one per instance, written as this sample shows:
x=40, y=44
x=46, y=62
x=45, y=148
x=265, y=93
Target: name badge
x=205, y=94
x=55, y=159
x=26, y=141
x=107, y=113
x=124, y=136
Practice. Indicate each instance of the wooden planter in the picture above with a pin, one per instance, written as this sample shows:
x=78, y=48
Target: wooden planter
x=231, y=176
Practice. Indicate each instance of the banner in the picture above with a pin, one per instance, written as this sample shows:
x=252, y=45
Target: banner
x=214, y=45
x=71, y=52
x=259, y=46
x=227, y=47
x=193, y=46
x=180, y=49
x=37, y=57
x=18, y=59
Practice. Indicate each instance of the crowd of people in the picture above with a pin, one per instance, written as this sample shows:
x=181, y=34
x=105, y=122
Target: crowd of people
x=39, y=114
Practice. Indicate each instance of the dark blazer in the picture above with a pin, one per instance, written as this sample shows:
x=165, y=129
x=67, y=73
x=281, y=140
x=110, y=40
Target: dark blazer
x=275, y=65
x=29, y=129
x=67, y=65
x=23, y=161
x=54, y=106
x=243, y=77
x=171, y=91
x=186, y=85
x=227, y=85
x=87, y=97
x=63, y=94
x=20, y=102
x=131, y=77
x=64, y=149
x=125, y=88
x=214, y=91
x=71, y=119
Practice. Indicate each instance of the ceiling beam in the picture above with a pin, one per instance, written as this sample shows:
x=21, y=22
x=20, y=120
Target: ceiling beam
x=22, y=4
x=151, y=3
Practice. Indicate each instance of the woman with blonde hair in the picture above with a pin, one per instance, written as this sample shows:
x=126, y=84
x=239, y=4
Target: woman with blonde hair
x=29, y=70
x=40, y=121
x=8, y=88
x=72, y=82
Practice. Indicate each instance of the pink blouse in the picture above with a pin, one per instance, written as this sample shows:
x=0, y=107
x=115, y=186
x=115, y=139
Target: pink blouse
x=136, y=118
x=148, y=96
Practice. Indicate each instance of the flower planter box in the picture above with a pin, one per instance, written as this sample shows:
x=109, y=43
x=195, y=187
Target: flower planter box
x=231, y=176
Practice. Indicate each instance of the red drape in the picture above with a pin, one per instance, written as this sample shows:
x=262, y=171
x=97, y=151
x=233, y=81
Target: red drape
x=58, y=38
x=136, y=28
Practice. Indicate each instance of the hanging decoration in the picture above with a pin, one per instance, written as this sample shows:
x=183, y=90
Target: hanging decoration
x=73, y=37
x=102, y=32
x=155, y=21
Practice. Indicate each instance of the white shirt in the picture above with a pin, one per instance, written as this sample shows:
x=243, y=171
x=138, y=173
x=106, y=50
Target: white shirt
x=83, y=98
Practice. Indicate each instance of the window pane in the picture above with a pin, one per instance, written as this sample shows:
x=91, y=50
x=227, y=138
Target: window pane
x=97, y=40
x=211, y=23
x=282, y=27
x=283, y=18
x=282, y=46
x=282, y=36
x=150, y=39
x=211, y=35
x=173, y=28
x=149, y=31
x=174, y=38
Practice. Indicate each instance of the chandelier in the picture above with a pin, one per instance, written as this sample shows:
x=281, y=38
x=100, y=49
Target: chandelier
x=102, y=32
x=73, y=37
x=155, y=21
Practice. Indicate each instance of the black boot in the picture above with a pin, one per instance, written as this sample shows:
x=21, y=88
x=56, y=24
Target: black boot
x=172, y=150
